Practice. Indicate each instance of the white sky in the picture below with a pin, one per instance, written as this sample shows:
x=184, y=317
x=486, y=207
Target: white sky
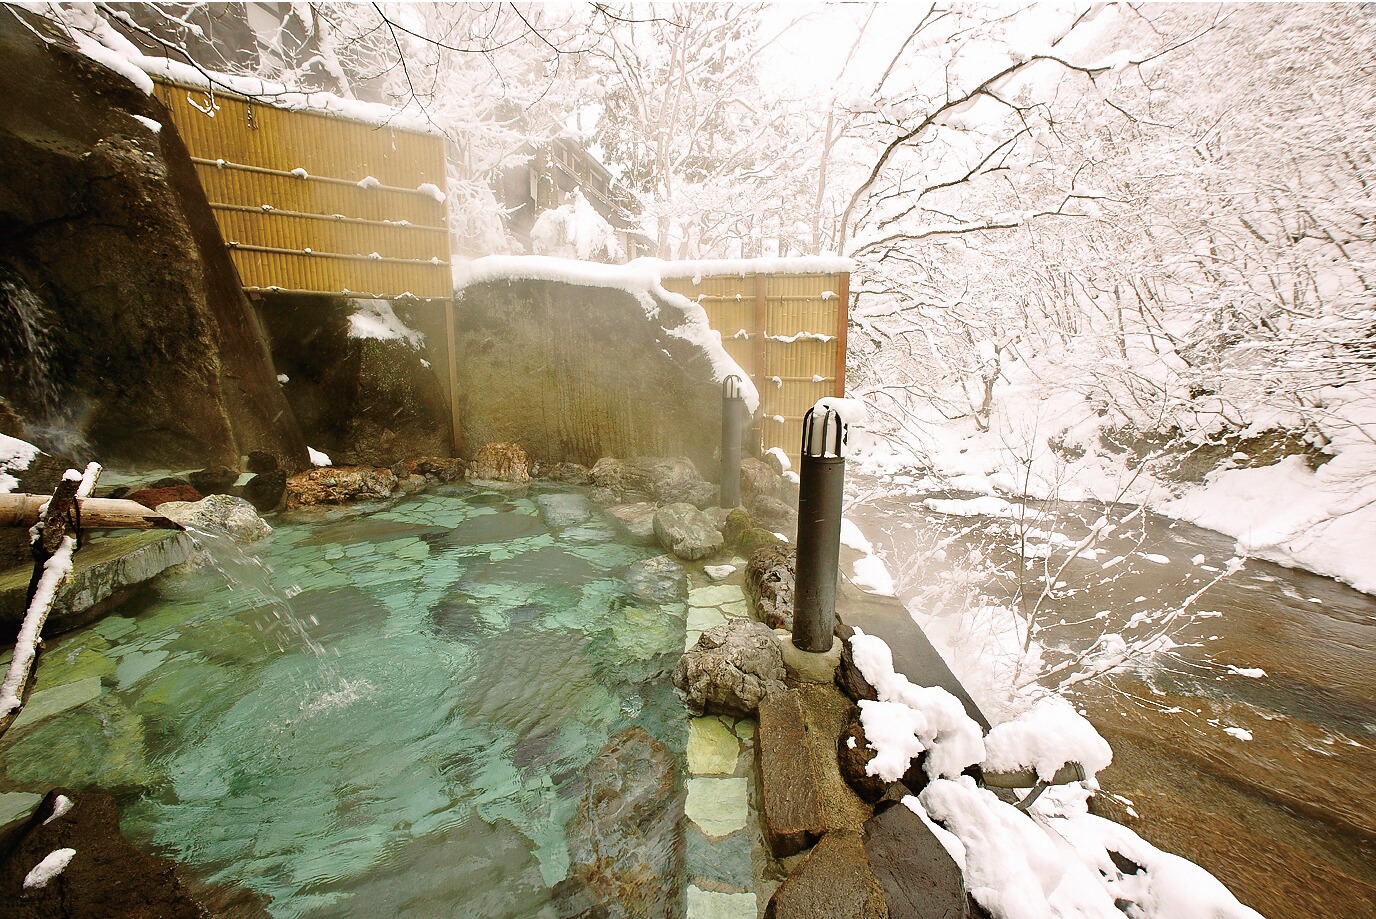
x=809, y=57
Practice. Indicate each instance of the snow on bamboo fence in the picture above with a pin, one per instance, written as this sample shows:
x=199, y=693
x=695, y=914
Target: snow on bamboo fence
x=318, y=203
x=784, y=322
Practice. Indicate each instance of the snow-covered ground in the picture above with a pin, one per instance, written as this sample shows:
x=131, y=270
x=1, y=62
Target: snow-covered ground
x=1053, y=860
x=1043, y=442
x=1321, y=520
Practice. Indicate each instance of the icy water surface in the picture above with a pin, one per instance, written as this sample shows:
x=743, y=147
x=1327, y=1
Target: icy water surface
x=393, y=721
x=1251, y=747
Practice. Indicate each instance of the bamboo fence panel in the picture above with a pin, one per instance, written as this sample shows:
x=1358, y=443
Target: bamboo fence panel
x=317, y=229
x=752, y=313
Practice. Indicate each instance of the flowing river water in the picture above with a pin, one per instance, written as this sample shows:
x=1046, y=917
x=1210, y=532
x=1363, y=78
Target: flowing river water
x=1248, y=747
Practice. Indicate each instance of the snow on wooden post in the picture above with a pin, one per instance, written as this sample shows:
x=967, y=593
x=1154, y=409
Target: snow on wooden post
x=55, y=538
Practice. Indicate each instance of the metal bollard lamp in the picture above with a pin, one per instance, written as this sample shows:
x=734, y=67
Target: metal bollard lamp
x=820, y=490
x=732, y=428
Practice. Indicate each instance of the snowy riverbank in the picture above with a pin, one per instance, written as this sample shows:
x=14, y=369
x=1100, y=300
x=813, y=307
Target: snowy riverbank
x=1045, y=445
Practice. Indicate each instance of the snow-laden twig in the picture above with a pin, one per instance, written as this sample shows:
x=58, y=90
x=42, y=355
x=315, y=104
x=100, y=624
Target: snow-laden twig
x=55, y=571
x=57, y=567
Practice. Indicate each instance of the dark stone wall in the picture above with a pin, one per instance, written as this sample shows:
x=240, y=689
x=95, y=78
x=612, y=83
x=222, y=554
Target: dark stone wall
x=361, y=401
x=574, y=373
x=155, y=357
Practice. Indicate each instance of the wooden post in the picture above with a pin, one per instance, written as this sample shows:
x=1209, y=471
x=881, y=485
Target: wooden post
x=453, y=372
x=96, y=513
x=761, y=351
x=842, y=328
x=59, y=522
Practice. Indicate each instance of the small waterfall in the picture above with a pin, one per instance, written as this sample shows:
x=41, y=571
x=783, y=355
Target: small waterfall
x=244, y=572
x=26, y=349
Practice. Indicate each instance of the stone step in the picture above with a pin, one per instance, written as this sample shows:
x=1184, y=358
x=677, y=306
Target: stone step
x=834, y=879
x=102, y=570
x=791, y=805
x=919, y=877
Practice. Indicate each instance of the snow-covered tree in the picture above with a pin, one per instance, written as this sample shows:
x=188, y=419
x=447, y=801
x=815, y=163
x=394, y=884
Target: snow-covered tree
x=576, y=230
x=496, y=79
x=715, y=158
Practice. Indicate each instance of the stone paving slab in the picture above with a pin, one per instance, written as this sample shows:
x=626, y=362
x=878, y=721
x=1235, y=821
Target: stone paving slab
x=45, y=703
x=101, y=570
x=718, y=807
x=713, y=749
x=705, y=904
x=721, y=828
x=790, y=807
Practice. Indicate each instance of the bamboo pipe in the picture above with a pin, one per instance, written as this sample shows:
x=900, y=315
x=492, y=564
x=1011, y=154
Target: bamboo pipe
x=96, y=513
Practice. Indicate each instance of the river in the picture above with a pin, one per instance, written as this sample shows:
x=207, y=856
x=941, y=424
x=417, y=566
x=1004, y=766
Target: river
x=1247, y=746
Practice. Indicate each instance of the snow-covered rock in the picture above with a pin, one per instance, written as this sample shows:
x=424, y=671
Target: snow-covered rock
x=578, y=361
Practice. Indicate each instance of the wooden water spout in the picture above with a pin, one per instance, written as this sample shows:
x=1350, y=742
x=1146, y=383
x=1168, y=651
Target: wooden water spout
x=96, y=513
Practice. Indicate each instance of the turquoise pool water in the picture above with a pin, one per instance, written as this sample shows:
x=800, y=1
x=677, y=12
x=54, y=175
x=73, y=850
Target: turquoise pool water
x=385, y=711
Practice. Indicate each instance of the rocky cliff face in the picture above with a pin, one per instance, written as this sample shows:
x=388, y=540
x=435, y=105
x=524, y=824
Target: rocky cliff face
x=128, y=333
x=366, y=401
x=575, y=373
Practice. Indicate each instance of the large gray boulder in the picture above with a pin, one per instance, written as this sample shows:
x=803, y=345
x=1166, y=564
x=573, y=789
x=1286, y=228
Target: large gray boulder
x=364, y=401
x=758, y=479
x=730, y=669
x=665, y=480
x=635, y=520
x=687, y=532
x=676, y=480
x=626, y=841
x=579, y=372
x=774, y=515
x=234, y=517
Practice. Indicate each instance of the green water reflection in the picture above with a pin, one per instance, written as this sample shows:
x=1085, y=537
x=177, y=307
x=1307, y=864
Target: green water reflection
x=405, y=735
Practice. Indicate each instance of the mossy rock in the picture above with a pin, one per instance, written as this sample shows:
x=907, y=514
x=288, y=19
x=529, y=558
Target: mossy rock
x=757, y=538
x=1175, y=459
x=738, y=522
x=100, y=745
